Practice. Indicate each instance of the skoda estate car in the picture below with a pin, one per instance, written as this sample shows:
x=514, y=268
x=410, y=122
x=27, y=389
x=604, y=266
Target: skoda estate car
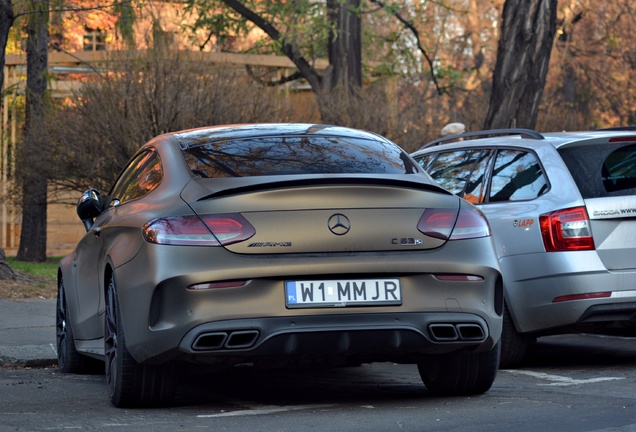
x=562, y=207
x=275, y=245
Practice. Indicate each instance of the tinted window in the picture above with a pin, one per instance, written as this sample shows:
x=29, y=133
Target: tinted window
x=142, y=175
x=425, y=160
x=454, y=170
x=619, y=170
x=602, y=170
x=475, y=190
x=517, y=175
x=297, y=155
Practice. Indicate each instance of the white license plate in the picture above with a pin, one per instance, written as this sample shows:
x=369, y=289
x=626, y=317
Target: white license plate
x=342, y=293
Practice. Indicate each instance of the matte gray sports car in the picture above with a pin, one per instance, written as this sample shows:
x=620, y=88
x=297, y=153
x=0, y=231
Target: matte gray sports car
x=274, y=245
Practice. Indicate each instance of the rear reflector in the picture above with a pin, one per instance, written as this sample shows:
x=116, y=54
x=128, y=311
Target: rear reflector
x=213, y=285
x=586, y=296
x=458, y=277
x=566, y=230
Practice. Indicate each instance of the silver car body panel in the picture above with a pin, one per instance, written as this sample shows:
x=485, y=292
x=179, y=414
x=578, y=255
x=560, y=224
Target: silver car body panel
x=534, y=278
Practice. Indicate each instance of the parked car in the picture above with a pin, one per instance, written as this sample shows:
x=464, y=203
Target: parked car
x=275, y=245
x=562, y=207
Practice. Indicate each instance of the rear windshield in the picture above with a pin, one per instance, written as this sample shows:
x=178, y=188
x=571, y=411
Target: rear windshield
x=297, y=155
x=602, y=170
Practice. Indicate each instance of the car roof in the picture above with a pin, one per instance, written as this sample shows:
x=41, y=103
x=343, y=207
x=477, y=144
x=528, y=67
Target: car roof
x=206, y=135
x=529, y=138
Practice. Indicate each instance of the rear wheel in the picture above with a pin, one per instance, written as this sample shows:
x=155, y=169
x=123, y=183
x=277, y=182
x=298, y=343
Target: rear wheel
x=69, y=360
x=514, y=345
x=129, y=383
x=460, y=373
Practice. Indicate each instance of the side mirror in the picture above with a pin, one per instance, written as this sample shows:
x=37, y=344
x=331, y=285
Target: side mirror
x=89, y=207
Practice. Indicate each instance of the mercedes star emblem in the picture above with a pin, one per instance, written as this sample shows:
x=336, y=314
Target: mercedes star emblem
x=339, y=224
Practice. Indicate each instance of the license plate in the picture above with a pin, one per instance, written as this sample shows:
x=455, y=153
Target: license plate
x=342, y=293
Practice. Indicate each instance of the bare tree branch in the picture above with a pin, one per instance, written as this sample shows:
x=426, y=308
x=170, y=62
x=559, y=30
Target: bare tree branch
x=290, y=50
x=409, y=25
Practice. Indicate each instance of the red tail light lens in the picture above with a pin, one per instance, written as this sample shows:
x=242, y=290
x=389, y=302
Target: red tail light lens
x=229, y=228
x=566, y=230
x=209, y=230
x=437, y=223
x=471, y=223
x=448, y=224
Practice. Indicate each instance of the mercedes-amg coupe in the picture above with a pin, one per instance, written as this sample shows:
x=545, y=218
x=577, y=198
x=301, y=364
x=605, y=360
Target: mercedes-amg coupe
x=277, y=245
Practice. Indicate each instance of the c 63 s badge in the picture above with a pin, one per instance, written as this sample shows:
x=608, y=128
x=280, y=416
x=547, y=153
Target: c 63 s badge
x=406, y=241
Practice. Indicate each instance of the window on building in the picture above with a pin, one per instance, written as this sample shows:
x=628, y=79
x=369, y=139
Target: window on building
x=95, y=40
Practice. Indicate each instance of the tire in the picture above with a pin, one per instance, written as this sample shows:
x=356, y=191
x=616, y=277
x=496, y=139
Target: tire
x=129, y=383
x=514, y=345
x=69, y=360
x=460, y=373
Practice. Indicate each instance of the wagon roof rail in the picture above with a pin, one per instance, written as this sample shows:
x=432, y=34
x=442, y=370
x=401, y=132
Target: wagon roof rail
x=619, y=128
x=525, y=133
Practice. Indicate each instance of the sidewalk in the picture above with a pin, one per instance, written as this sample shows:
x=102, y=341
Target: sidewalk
x=27, y=333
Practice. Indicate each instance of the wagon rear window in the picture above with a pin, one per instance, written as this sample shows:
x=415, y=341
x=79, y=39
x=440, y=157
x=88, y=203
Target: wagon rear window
x=602, y=170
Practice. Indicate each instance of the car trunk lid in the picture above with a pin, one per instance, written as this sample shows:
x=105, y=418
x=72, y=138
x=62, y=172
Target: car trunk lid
x=326, y=214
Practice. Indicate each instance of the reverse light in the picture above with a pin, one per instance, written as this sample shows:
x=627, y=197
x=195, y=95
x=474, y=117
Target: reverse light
x=566, y=230
x=209, y=230
x=449, y=224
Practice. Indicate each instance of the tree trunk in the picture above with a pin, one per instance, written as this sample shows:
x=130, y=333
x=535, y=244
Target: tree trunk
x=345, y=44
x=340, y=95
x=6, y=21
x=6, y=272
x=523, y=56
x=32, y=166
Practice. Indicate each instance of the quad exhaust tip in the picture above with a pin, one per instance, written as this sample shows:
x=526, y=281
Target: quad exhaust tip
x=450, y=332
x=225, y=340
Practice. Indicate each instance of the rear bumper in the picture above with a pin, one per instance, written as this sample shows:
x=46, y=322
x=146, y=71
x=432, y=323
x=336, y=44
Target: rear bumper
x=164, y=320
x=336, y=338
x=533, y=282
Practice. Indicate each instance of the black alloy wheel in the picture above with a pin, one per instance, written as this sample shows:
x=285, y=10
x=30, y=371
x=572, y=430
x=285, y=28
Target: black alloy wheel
x=129, y=383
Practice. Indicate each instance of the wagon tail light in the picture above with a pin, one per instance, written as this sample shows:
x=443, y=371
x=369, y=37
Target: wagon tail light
x=206, y=230
x=566, y=230
x=450, y=224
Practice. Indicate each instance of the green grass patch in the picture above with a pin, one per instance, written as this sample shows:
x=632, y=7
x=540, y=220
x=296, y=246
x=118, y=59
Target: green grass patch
x=46, y=271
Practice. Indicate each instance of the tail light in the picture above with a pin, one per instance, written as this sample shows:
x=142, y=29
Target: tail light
x=449, y=224
x=208, y=230
x=566, y=230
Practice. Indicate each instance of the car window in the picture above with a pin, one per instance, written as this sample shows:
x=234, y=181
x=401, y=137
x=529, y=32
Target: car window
x=142, y=175
x=475, y=191
x=461, y=172
x=517, y=175
x=602, y=170
x=290, y=155
x=425, y=160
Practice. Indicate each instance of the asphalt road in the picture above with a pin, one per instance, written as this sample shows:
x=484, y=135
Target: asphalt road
x=569, y=384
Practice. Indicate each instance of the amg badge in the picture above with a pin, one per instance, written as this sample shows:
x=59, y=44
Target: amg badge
x=270, y=244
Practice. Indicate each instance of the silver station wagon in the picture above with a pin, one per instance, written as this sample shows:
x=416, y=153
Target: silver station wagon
x=562, y=207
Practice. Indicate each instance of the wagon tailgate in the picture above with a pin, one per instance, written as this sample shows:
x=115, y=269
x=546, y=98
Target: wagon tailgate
x=613, y=221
